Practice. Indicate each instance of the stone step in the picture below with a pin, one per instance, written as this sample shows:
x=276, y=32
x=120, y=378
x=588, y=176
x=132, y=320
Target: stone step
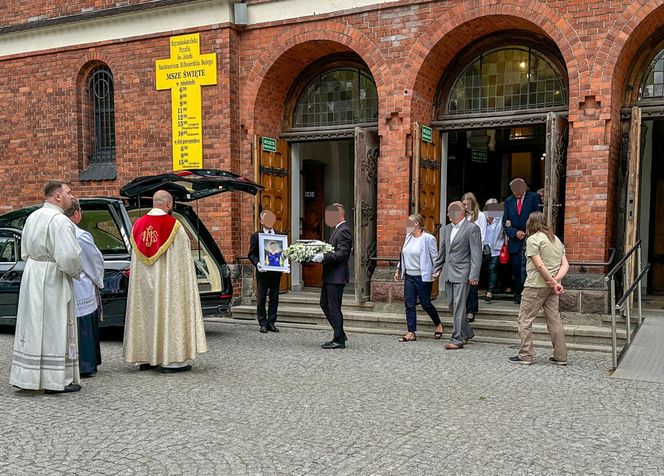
x=323, y=325
x=493, y=329
x=496, y=310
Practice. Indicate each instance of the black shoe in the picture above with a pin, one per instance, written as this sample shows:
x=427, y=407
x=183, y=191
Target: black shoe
x=88, y=374
x=174, y=370
x=557, y=362
x=72, y=387
x=143, y=367
x=272, y=328
x=470, y=316
x=333, y=345
x=518, y=360
x=263, y=330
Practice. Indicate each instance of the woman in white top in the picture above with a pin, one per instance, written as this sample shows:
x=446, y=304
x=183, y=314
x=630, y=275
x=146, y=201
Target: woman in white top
x=416, y=267
x=473, y=215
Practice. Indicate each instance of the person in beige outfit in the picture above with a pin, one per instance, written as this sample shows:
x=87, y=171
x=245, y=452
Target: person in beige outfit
x=545, y=268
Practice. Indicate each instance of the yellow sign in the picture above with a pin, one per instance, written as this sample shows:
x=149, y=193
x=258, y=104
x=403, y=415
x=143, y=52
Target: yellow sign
x=184, y=73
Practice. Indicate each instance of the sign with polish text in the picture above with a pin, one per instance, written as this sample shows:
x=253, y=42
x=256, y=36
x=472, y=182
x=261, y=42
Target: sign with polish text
x=184, y=73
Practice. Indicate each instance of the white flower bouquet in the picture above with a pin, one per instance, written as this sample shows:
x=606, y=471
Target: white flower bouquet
x=303, y=251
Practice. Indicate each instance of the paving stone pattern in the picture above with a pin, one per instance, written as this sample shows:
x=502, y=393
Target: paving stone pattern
x=278, y=404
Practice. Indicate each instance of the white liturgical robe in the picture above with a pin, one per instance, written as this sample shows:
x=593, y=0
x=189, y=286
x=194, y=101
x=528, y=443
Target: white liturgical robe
x=45, y=342
x=164, y=322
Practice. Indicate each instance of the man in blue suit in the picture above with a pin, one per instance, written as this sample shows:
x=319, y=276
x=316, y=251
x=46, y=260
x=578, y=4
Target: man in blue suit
x=518, y=208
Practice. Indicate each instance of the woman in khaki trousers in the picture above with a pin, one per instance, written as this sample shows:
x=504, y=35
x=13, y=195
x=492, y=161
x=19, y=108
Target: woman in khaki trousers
x=546, y=266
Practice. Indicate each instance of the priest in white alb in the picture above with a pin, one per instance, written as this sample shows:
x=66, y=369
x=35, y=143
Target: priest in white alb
x=45, y=344
x=164, y=321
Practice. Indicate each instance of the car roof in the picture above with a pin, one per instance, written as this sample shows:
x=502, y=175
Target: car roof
x=15, y=219
x=189, y=185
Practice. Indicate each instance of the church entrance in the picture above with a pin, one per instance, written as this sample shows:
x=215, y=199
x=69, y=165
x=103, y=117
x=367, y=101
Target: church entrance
x=328, y=153
x=327, y=176
x=641, y=180
x=500, y=113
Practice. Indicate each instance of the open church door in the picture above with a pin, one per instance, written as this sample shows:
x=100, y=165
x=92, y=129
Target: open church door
x=426, y=184
x=634, y=152
x=554, y=171
x=271, y=167
x=366, y=179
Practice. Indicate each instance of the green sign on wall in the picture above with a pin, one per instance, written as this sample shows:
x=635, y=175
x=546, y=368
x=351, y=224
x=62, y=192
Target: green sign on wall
x=269, y=144
x=427, y=134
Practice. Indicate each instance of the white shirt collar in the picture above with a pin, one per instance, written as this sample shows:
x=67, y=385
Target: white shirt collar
x=269, y=232
x=339, y=224
x=55, y=207
x=157, y=212
x=458, y=225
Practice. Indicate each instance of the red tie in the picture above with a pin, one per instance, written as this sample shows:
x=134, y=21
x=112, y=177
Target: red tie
x=518, y=206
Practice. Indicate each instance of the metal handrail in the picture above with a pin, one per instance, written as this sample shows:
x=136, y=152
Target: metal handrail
x=619, y=264
x=624, y=303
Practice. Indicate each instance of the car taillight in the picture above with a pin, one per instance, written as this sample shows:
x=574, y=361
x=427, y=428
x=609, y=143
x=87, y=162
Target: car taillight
x=183, y=173
x=126, y=272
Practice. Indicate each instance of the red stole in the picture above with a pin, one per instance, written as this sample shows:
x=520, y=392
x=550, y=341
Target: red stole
x=152, y=235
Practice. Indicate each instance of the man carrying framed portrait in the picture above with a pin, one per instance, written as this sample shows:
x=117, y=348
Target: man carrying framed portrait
x=266, y=254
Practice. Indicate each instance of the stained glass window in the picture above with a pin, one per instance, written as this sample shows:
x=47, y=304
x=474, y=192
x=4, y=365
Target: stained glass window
x=653, y=81
x=338, y=97
x=507, y=79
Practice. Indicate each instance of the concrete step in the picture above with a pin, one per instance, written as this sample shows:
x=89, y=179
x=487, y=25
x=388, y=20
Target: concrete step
x=491, y=328
x=479, y=338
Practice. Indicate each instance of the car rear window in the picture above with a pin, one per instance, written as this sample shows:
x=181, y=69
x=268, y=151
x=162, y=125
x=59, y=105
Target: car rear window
x=7, y=250
x=100, y=223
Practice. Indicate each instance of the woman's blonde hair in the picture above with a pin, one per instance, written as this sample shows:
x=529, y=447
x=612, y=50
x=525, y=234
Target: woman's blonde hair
x=418, y=219
x=474, y=206
x=537, y=222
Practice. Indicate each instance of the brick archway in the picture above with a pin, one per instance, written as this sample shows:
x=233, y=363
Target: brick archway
x=466, y=22
x=289, y=54
x=619, y=49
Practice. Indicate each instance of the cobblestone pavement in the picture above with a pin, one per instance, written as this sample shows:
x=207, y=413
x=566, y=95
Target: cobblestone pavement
x=278, y=404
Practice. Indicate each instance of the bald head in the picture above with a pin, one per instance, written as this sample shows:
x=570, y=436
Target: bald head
x=456, y=211
x=162, y=200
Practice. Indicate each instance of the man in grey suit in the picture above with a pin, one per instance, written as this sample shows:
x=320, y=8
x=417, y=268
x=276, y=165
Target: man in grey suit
x=460, y=258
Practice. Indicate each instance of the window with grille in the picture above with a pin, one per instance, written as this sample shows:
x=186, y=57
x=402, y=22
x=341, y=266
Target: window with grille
x=100, y=130
x=652, y=85
x=507, y=79
x=339, y=97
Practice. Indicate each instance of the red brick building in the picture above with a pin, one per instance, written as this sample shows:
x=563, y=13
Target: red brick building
x=531, y=88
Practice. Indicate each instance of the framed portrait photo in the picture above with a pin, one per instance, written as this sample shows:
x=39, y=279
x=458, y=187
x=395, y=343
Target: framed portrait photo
x=271, y=252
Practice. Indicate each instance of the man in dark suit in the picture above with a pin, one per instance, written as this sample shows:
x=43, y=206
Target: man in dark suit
x=267, y=282
x=335, y=273
x=518, y=208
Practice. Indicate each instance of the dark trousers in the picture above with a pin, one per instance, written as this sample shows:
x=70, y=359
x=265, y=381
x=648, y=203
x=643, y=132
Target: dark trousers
x=492, y=274
x=414, y=288
x=518, y=271
x=472, y=303
x=330, y=302
x=268, y=285
x=89, y=350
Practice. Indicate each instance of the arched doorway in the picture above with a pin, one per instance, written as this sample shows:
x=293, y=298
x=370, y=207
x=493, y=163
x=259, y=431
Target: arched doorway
x=500, y=113
x=329, y=144
x=641, y=181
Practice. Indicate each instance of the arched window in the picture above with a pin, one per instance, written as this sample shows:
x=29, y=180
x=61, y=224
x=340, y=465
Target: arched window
x=99, y=130
x=338, y=97
x=652, y=85
x=514, y=78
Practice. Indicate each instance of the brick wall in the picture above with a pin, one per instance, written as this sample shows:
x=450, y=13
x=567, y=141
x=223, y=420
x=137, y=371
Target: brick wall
x=407, y=48
x=20, y=11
